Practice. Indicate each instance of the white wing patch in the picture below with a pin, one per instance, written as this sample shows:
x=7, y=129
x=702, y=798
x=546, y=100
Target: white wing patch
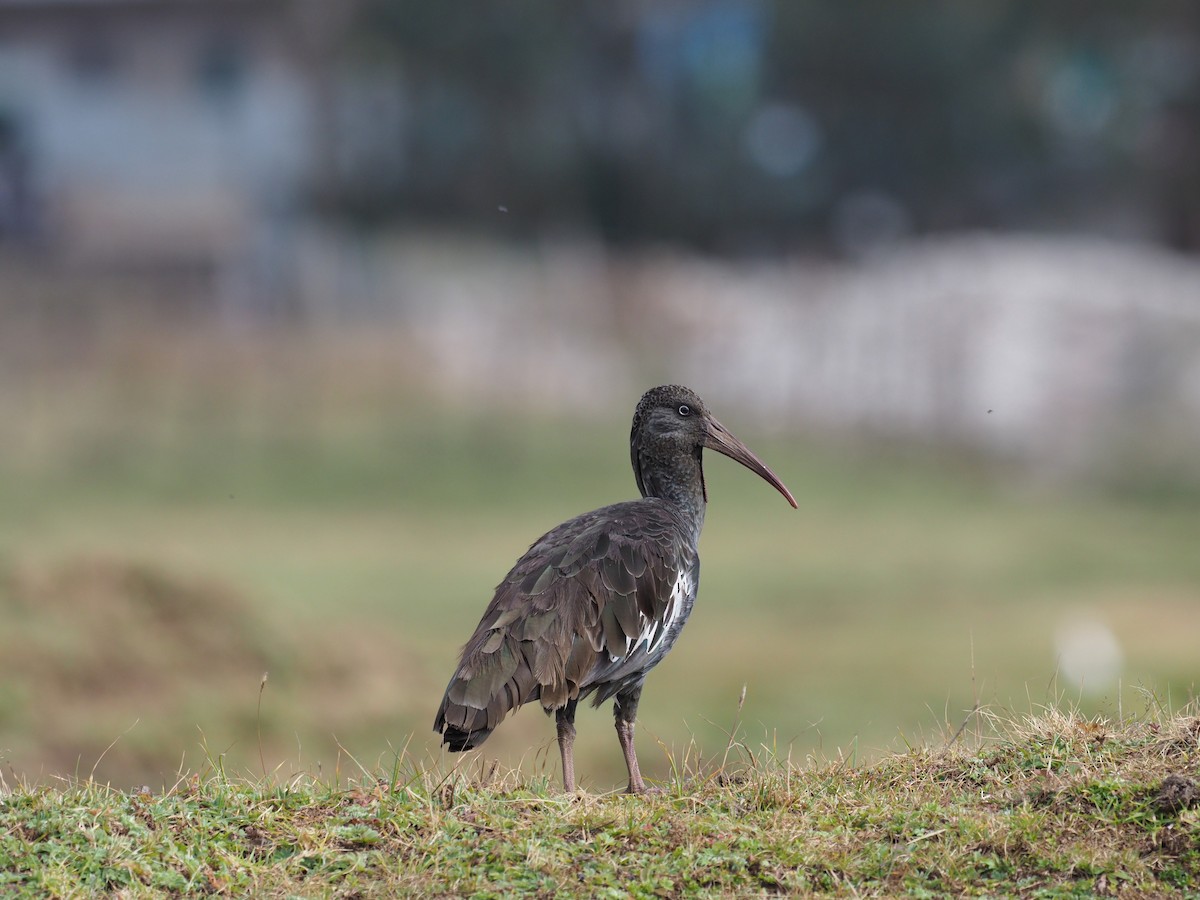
x=653, y=633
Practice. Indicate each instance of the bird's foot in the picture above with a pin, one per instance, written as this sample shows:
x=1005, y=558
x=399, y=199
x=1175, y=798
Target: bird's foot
x=643, y=788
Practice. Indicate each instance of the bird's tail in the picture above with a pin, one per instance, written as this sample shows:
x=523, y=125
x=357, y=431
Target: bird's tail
x=462, y=727
x=458, y=740
x=494, y=678
x=517, y=654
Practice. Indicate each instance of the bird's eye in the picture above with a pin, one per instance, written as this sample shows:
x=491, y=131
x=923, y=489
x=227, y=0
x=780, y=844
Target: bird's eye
x=685, y=410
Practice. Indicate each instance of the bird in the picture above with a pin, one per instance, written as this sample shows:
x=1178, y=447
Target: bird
x=597, y=602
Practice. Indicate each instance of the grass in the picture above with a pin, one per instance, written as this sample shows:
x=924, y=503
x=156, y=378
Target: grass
x=1047, y=805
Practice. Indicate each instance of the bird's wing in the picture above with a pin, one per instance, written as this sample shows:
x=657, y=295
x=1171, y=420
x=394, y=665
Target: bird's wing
x=585, y=598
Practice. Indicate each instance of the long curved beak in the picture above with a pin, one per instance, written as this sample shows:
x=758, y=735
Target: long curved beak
x=718, y=437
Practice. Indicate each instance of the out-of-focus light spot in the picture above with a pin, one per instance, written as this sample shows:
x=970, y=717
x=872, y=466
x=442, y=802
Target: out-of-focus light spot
x=866, y=221
x=1079, y=100
x=782, y=139
x=1089, y=654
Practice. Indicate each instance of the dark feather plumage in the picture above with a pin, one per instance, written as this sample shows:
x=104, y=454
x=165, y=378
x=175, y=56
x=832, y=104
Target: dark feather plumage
x=567, y=618
x=598, y=601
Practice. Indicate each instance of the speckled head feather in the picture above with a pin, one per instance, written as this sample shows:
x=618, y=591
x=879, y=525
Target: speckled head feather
x=667, y=397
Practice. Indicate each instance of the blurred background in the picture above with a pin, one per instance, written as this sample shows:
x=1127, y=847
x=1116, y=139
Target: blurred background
x=313, y=316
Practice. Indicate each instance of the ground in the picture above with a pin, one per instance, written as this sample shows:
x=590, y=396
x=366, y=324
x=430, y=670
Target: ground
x=1051, y=805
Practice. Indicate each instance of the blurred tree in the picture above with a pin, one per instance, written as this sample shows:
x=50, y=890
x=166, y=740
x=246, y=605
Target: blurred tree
x=748, y=124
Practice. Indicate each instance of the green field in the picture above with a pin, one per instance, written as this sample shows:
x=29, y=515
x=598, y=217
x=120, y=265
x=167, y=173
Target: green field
x=162, y=546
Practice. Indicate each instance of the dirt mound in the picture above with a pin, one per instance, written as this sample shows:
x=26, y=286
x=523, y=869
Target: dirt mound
x=100, y=627
x=90, y=646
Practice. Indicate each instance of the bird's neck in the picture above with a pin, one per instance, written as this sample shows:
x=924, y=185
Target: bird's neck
x=679, y=480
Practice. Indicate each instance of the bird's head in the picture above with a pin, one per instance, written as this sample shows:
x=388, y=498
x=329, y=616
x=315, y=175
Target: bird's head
x=672, y=420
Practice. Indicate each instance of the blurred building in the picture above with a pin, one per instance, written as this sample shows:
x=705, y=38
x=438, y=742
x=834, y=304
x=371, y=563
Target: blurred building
x=185, y=128
x=161, y=134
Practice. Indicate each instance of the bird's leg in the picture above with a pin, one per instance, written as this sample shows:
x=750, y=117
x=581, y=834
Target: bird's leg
x=624, y=713
x=565, y=719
